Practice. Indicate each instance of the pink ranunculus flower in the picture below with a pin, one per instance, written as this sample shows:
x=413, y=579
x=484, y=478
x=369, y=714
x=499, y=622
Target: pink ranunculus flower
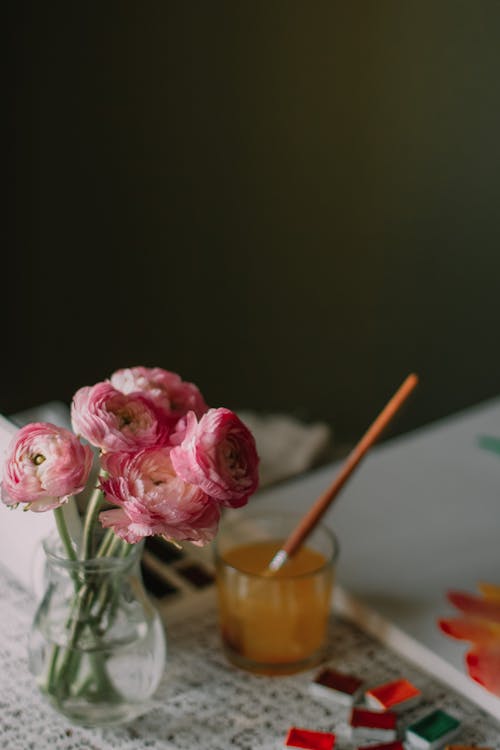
x=154, y=500
x=166, y=389
x=114, y=421
x=218, y=454
x=44, y=466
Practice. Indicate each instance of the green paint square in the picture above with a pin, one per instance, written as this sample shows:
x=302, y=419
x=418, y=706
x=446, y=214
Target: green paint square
x=434, y=726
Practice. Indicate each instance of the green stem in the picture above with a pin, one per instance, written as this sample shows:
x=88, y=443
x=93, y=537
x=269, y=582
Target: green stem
x=64, y=664
x=115, y=545
x=76, y=622
x=105, y=543
x=68, y=546
x=64, y=533
x=83, y=604
x=55, y=670
x=126, y=549
x=103, y=596
x=51, y=672
x=93, y=508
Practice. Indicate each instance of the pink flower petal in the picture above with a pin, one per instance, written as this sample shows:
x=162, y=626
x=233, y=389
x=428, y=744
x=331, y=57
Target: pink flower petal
x=114, y=421
x=165, y=389
x=153, y=499
x=44, y=465
x=218, y=454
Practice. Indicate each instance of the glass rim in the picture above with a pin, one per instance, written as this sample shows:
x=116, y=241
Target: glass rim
x=96, y=563
x=277, y=514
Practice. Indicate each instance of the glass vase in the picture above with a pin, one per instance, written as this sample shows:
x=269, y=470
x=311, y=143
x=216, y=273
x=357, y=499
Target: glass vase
x=97, y=645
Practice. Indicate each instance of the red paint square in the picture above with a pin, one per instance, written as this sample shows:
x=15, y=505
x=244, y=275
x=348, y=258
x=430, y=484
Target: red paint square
x=393, y=694
x=310, y=740
x=344, y=683
x=362, y=717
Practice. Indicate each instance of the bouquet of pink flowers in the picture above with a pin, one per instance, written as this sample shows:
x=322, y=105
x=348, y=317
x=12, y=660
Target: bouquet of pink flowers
x=168, y=463
x=167, y=466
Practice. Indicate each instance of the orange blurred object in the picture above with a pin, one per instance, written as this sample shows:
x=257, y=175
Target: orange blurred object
x=277, y=624
x=479, y=623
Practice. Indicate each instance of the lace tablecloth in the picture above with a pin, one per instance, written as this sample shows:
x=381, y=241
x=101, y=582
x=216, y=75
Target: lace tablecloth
x=202, y=701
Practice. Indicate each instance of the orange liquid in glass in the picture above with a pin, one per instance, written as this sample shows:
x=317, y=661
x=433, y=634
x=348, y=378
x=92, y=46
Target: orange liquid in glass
x=277, y=623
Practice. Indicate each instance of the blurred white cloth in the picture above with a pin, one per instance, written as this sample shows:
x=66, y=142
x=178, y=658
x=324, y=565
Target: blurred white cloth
x=285, y=445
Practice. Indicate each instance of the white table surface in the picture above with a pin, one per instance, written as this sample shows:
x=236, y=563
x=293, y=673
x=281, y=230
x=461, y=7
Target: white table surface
x=421, y=516
x=414, y=488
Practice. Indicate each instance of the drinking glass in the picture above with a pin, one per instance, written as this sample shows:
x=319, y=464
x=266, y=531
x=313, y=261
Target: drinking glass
x=273, y=623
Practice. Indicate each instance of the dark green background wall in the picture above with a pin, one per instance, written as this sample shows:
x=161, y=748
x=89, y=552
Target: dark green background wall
x=291, y=203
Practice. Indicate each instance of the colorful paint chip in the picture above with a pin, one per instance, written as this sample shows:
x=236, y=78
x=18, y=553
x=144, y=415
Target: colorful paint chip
x=384, y=746
x=338, y=686
x=309, y=739
x=394, y=696
x=432, y=731
x=467, y=747
x=373, y=725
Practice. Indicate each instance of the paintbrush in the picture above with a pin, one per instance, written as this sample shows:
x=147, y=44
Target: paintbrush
x=321, y=505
